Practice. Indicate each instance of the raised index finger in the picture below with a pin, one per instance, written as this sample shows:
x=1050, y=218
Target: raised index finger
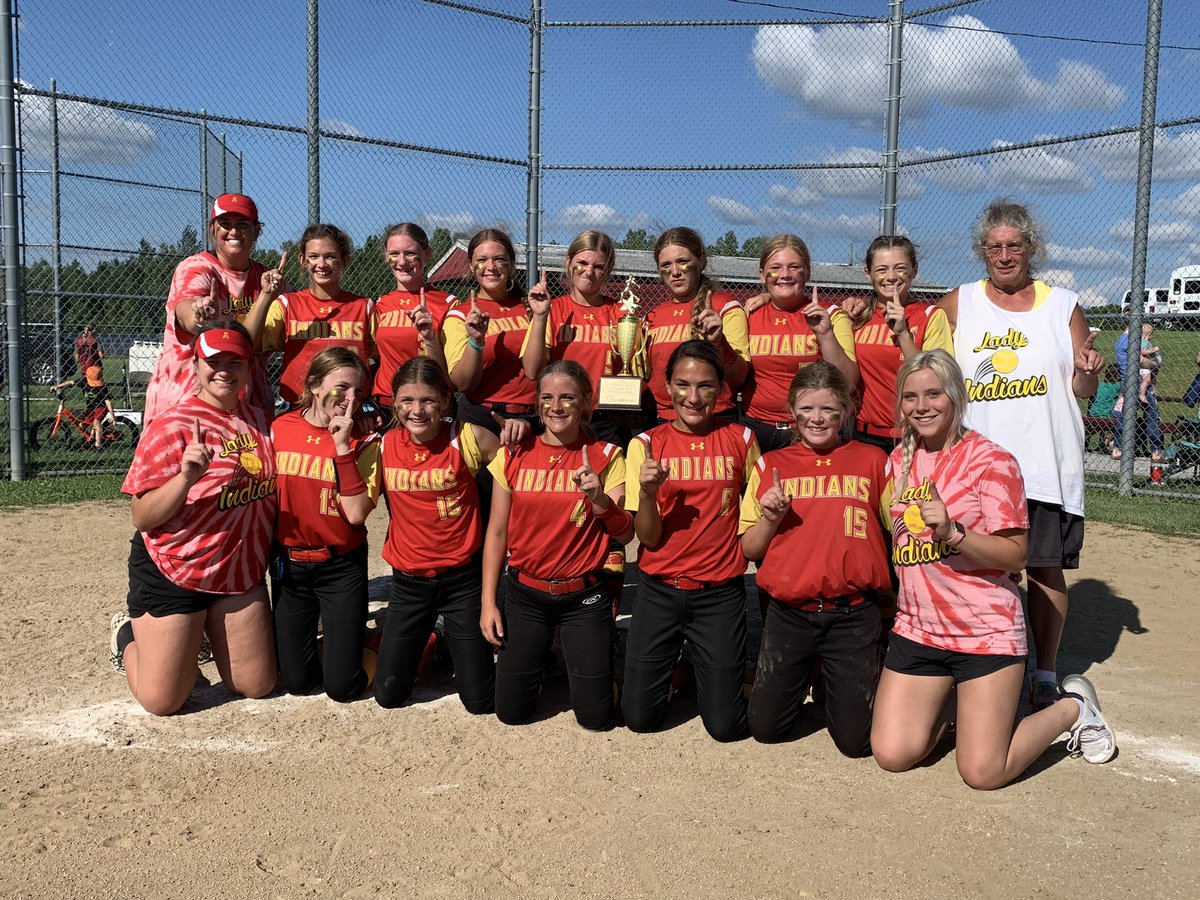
x=708, y=301
x=814, y=294
x=197, y=434
x=282, y=262
x=585, y=458
x=474, y=301
x=1089, y=340
x=421, y=302
x=775, y=480
x=933, y=492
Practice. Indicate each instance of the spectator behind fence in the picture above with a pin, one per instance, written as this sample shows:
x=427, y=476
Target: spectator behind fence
x=222, y=283
x=1152, y=420
x=97, y=403
x=88, y=352
x=1026, y=352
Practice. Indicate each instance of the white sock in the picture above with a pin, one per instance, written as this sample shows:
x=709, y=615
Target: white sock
x=1040, y=675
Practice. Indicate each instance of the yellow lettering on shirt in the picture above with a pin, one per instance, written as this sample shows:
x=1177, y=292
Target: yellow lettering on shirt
x=342, y=331
x=700, y=468
x=399, y=479
x=1012, y=338
x=1001, y=388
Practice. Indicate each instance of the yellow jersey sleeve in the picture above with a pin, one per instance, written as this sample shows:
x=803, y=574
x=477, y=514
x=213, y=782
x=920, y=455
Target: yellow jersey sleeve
x=633, y=470
x=750, y=511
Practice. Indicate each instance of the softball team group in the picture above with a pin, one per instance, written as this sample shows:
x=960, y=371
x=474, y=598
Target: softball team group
x=510, y=495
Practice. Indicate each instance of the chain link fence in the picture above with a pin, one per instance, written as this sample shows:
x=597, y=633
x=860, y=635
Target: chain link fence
x=741, y=119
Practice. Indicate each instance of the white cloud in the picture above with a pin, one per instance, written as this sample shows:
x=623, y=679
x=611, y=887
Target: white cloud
x=455, y=222
x=1038, y=170
x=793, y=196
x=1085, y=257
x=1187, y=203
x=600, y=217
x=1177, y=232
x=86, y=133
x=1175, y=158
x=838, y=72
x=1063, y=278
x=959, y=176
x=1106, y=292
x=733, y=212
x=341, y=126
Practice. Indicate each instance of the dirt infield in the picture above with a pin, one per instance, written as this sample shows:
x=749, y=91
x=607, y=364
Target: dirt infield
x=302, y=797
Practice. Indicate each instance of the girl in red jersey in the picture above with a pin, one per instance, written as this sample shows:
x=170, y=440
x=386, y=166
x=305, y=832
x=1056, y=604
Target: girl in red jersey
x=434, y=534
x=558, y=500
x=826, y=491
x=579, y=325
x=483, y=338
x=685, y=480
x=958, y=533
x=303, y=323
x=406, y=322
x=328, y=485
x=697, y=308
x=789, y=331
x=222, y=283
x=888, y=329
x=203, y=488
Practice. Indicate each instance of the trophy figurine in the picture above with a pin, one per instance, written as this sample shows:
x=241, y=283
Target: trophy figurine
x=624, y=392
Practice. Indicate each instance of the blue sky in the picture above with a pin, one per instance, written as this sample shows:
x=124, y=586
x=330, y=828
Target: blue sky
x=432, y=76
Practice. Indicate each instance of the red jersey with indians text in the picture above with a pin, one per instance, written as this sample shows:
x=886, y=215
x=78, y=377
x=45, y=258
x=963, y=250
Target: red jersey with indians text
x=584, y=334
x=309, y=511
x=879, y=358
x=219, y=540
x=781, y=344
x=831, y=541
x=434, y=521
x=698, y=502
x=670, y=324
x=552, y=531
x=174, y=376
x=503, y=379
x=302, y=325
x=947, y=600
x=396, y=340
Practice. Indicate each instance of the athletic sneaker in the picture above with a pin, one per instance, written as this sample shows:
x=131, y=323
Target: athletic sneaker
x=116, y=652
x=1091, y=734
x=1043, y=694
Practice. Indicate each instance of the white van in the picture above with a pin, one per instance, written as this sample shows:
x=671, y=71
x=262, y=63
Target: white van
x=1156, y=304
x=1183, y=303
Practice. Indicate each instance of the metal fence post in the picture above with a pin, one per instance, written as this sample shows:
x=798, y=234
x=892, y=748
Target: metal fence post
x=204, y=201
x=224, y=165
x=241, y=166
x=533, y=229
x=9, y=213
x=891, y=156
x=56, y=230
x=1141, y=226
x=314, y=116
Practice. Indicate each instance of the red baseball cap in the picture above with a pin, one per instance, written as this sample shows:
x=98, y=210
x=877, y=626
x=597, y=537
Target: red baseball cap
x=222, y=340
x=235, y=204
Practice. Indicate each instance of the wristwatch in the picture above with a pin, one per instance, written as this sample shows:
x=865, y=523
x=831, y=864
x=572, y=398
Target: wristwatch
x=957, y=537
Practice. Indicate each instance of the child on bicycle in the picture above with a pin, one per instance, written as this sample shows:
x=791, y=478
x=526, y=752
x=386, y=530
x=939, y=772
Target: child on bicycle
x=97, y=402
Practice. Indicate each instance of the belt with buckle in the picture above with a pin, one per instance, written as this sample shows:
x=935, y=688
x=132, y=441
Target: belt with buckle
x=310, y=554
x=510, y=409
x=555, y=586
x=684, y=583
x=845, y=601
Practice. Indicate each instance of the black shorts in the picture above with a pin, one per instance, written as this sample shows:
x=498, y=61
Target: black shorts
x=1055, y=536
x=150, y=591
x=907, y=657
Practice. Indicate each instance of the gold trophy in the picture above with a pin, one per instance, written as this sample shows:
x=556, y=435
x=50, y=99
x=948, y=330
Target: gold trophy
x=624, y=392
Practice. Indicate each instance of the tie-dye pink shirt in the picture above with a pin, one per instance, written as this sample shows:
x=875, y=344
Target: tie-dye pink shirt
x=947, y=600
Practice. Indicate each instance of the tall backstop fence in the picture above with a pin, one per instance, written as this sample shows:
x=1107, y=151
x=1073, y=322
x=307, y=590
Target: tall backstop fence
x=836, y=126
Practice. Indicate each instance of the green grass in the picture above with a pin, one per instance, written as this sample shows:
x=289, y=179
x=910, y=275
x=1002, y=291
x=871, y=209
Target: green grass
x=1159, y=515
x=1179, y=349
x=50, y=491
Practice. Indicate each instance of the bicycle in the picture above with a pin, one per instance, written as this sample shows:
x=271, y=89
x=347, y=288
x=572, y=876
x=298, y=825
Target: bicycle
x=66, y=428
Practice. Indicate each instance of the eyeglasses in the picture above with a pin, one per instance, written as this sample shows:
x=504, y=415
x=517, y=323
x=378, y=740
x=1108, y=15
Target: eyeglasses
x=995, y=251
x=242, y=225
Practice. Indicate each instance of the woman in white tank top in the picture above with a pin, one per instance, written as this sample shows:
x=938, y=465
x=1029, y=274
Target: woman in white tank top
x=1026, y=353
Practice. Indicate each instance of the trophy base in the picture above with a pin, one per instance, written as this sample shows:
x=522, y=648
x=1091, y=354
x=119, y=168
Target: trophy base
x=619, y=393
